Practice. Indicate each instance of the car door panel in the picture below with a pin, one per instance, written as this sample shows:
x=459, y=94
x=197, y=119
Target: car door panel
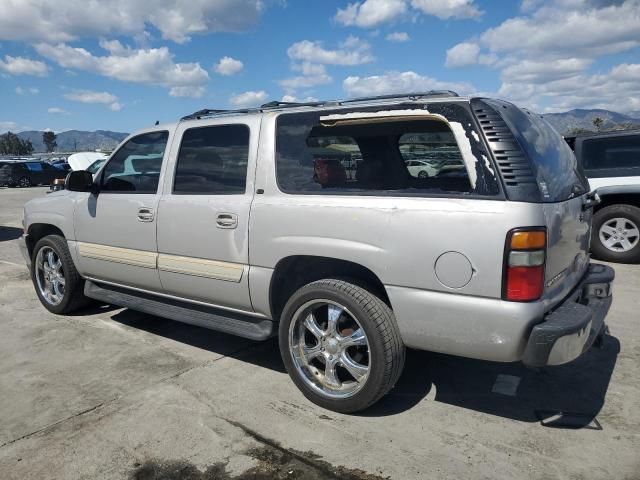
x=203, y=216
x=116, y=229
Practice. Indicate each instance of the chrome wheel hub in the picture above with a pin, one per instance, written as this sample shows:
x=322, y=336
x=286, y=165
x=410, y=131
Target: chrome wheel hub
x=619, y=234
x=50, y=275
x=329, y=348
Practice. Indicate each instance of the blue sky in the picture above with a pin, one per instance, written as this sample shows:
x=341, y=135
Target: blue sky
x=121, y=65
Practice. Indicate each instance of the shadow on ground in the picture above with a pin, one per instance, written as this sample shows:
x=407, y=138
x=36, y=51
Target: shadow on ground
x=577, y=389
x=9, y=233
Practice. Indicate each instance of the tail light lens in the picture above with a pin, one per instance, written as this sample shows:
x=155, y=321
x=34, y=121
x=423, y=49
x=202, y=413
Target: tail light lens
x=525, y=256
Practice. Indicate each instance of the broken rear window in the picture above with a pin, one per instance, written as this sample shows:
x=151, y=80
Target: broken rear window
x=402, y=152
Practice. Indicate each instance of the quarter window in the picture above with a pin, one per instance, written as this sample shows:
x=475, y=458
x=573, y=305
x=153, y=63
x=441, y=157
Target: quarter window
x=135, y=167
x=213, y=160
x=376, y=156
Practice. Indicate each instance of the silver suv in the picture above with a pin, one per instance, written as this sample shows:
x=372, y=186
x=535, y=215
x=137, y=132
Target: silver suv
x=305, y=221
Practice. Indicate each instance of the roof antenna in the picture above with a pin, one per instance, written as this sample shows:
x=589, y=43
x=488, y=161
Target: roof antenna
x=157, y=122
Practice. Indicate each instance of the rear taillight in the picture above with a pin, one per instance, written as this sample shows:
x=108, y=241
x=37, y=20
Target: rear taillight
x=524, y=259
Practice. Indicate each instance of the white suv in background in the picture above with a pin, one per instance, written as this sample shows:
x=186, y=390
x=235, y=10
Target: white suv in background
x=611, y=161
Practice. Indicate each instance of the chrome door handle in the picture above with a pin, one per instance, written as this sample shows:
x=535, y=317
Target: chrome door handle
x=145, y=214
x=227, y=220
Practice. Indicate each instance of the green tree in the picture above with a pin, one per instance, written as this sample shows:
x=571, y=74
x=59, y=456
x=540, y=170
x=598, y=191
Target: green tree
x=49, y=139
x=597, y=122
x=12, y=144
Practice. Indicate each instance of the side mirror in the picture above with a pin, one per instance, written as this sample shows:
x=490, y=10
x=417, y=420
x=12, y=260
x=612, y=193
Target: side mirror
x=79, y=181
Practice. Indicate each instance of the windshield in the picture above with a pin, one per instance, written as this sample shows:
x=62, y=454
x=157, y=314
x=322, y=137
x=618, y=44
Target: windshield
x=552, y=160
x=95, y=166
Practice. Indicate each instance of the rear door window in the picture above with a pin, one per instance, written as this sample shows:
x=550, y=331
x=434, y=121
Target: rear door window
x=213, y=160
x=400, y=156
x=611, y=156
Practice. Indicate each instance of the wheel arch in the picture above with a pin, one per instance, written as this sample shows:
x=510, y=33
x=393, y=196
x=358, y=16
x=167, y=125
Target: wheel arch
x=622, y=198
x=38, y=231
x=295, y=271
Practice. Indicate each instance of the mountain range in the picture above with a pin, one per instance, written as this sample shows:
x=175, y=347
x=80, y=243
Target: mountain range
x=77, y=140
x=583, y=119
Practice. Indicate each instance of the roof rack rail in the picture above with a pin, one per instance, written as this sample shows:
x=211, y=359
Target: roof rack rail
x=276, y=104
x=410, y=95
x=279, y=104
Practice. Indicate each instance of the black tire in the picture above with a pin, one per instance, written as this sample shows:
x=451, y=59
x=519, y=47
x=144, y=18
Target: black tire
x=423, y=174
x=73, y=298
x=605, y=214
x=386, y=350
x=24, y=182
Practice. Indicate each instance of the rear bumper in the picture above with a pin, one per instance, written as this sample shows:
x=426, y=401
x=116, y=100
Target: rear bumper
x=571, y=328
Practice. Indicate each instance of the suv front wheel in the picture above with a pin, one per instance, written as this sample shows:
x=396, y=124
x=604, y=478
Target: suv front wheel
x=616, y=234
x=58, y=284
x=340, y=344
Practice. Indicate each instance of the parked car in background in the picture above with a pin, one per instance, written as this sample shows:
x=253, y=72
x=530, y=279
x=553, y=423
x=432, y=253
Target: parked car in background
x=611, y=162
x=255, y=223
x=26, y=174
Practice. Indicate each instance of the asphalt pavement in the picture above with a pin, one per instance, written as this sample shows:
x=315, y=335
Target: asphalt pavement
x=112, y=393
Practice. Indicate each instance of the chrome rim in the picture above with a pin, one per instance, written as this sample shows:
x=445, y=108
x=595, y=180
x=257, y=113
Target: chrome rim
x=619, y=234
x=24, y=182
x=329, y=349
x=50, y=275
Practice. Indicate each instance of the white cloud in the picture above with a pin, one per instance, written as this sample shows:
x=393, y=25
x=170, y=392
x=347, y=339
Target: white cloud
x=545, y=54
x=7, y=126
x=445, y=9
x=248, y=99
x=23, y=66
x=294, y=99
x=312, y=75
x=56, y=111
x=27, y=91
x=191, y=92
x=353, y=51
x=612, y=90
x=152, y=66
x=89, y=96
x=533, y=71
x=371, y=12
x=570, y=27
x=55, y=21
x=398, y=37
x=228, y=66
x=394, y=82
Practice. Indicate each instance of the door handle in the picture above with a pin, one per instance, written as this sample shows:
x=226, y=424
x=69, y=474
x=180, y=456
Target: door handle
x=145, y=214
x=227, y=220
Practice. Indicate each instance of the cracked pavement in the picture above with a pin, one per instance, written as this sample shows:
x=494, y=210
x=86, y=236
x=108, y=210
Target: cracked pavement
x=112, y=393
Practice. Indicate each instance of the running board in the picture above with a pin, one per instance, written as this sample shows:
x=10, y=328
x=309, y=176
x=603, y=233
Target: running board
x=208, y=317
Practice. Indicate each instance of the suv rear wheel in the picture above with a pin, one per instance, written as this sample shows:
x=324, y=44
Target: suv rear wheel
x=340, y=345
x=58, y=284
x=24, y=182
x=616, y=234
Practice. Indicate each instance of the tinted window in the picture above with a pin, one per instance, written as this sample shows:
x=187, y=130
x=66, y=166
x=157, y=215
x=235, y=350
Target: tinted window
x=135, y=167
x=213, y=160
x=552, y=160
x=34, y=166
x=611, y=152
x=314, y=155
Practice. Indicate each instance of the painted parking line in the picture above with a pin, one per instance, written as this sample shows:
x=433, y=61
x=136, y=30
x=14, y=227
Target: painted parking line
x=12, y=263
